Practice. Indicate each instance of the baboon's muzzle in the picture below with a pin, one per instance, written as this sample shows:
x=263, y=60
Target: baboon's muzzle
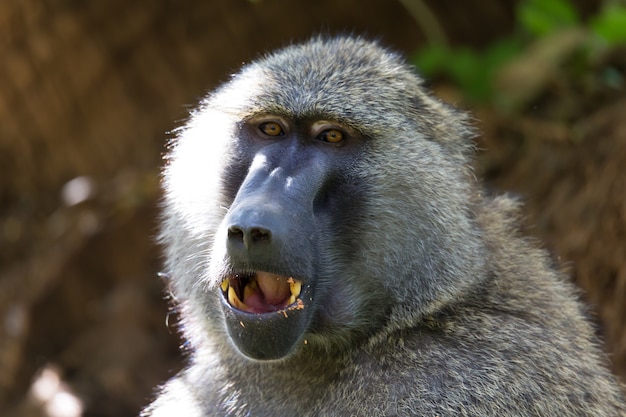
x=271, y=237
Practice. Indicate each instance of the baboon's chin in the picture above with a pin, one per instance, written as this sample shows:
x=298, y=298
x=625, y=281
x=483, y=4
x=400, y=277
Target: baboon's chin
x=265, y=313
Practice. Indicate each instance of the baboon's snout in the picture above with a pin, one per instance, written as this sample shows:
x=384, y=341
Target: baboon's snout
x=271, y=225
x=269, y=237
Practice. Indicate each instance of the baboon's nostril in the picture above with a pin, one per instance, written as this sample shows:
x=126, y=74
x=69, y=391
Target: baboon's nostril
x=259, y=235
x=248, y=236
x=235, y=234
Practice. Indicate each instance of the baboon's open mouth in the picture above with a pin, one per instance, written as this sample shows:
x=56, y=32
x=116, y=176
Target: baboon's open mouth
x=262, y=292
x=264, y=312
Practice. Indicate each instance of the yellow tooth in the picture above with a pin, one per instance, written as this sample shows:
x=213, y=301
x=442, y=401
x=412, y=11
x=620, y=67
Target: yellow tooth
x=295, y=287
x=232, y=297
x=292, y=300
x=249, y=289
x=234, y=300
x=224, y=285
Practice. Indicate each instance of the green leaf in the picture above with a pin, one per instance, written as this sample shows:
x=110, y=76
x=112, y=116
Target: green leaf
x=541, y=17
x=470, y=70
x=503, y=51
x=611, y=25
x=432, y=59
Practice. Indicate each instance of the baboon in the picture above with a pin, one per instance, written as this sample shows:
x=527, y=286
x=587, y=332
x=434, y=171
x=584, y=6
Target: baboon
x=331, y=254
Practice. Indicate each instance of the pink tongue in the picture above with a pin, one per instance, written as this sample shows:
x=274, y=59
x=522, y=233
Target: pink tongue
x=274, y=288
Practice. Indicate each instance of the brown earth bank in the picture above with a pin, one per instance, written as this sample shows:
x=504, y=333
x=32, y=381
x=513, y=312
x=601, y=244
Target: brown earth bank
x=88, y=91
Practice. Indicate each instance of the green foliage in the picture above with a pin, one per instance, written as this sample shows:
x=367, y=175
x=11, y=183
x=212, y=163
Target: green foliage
x=542, y=17
x=610, y=24
x=473, y=70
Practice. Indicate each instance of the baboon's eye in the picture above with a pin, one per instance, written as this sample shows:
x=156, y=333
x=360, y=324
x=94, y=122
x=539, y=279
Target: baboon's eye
x=331, y=136
x=271, y=129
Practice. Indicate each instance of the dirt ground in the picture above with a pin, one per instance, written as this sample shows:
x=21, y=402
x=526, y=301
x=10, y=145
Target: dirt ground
x=88, y=92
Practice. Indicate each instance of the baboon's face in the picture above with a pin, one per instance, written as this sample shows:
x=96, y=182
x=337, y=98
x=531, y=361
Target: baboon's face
x=288, y=193
x=305, y=200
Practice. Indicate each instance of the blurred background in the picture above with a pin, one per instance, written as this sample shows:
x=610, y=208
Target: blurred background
x=90, y=90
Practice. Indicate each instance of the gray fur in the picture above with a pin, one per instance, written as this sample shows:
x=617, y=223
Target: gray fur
x=434, y=306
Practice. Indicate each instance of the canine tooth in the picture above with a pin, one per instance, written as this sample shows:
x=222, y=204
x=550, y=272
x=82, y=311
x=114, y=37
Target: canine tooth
x=234, y=300
x=224, y=285
x=295, y=287
x=232, y=297
x=249, y=289
x=292, y=300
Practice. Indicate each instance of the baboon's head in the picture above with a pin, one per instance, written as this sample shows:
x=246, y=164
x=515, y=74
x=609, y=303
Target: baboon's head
x=318, y=195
